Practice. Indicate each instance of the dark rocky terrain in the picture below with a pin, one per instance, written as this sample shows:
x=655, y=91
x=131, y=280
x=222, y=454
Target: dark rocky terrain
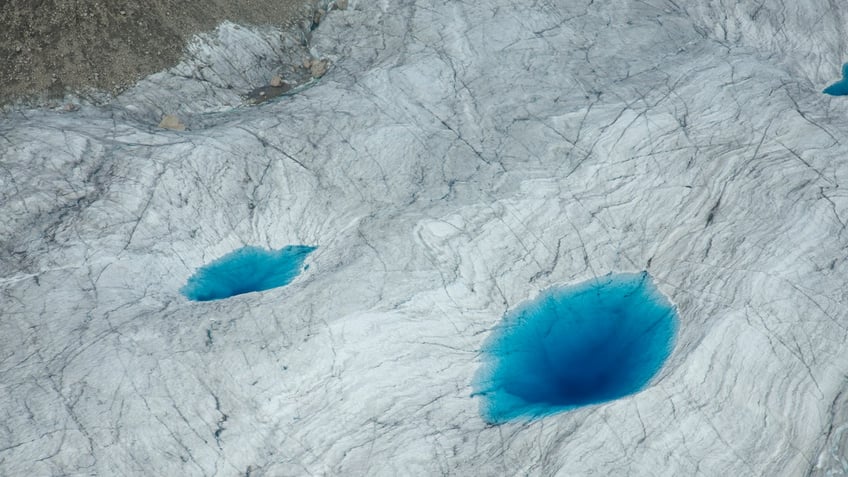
x=50, y=47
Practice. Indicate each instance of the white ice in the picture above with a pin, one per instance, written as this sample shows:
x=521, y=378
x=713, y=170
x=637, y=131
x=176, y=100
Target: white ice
x=457, y=158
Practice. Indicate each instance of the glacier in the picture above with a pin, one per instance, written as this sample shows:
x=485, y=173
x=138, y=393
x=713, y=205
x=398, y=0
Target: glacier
x=455, y=159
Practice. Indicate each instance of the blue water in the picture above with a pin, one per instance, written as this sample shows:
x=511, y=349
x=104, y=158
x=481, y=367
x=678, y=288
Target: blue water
x=246, y=270
x=840, y=88
x=587, y=343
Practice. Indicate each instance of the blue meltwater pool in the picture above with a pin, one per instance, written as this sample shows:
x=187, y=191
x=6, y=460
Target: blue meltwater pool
x=576, y=345
x=246, y=270
x=840, y=88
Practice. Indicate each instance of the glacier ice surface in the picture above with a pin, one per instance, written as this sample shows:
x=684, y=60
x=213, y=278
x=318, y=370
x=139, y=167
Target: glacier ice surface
x=456, y=158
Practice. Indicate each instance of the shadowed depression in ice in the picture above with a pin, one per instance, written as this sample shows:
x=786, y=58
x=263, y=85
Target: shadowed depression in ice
x=587, y=343
x=246, y=270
